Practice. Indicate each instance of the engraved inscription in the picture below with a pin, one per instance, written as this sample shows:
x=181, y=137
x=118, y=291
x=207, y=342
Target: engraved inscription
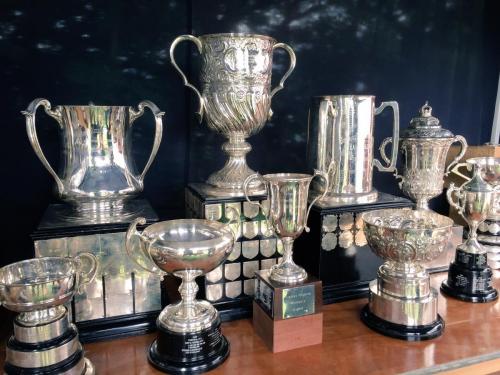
x=298, y=301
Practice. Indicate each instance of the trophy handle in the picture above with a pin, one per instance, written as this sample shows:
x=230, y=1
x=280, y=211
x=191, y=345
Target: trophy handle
x=382, y=148
x=30, y=113
x=246, y=183
x=449, y=196
x=235, y=220
x=199, y=45
x=281, y=84
x=391, y=163
x=132, y=232
x=463, y=149
x=455, y=171
x=324, y=176
x=84, y=278
x=158, y=129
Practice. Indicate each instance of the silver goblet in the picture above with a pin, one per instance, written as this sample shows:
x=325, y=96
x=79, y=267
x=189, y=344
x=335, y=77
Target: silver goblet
x=235, y=97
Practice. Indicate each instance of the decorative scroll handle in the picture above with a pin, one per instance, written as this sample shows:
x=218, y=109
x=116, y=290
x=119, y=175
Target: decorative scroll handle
x=158, y=129
x=31, y=130
x=85, y=277
x=281, y=84
x=131, y=233
x=199, y=45
x=395, y=138
x=324, y=176
x=382, y=148
x=463, y=149
x=449, y=195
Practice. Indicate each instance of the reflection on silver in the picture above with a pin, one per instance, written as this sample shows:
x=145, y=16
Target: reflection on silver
x=249, y=287
x=346, y=239
x=405, y=239
x=250, y=229
x=250, y=210
x=187, y=248
x=213, y=212
x=98, y=175
x=236, y=96
x=346, y=221
x=329, y=241
x=250, y=249
x=268, y=247
x=232, y=271
x=233, y=289
x=249, y=268
x=235, y=254
x=214, y=292
x=330, y=223
x=341, y=129
x=266, y=264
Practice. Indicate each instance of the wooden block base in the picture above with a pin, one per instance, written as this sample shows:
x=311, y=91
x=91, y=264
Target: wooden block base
x=287, y=334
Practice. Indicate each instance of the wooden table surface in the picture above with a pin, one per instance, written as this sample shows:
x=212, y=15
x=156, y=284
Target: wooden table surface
x=349, y=347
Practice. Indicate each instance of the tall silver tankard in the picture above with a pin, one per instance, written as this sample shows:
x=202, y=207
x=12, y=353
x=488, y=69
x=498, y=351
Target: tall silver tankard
x=341, y=129
x=235, y=98
x=97, y=172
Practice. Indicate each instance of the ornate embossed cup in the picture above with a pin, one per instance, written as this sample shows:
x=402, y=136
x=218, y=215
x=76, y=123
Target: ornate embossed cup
x=402, y=303
x=469, y=276
x=235, y=97
x=424, y=145
x=287, y=214
x=189, y=336
x=37, y=289
x=97, y=173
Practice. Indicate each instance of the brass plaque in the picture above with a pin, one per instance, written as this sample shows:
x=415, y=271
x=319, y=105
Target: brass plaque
x=298, y=301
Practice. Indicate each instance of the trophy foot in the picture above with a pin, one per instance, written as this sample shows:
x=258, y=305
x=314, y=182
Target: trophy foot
x=288, y=274
x=203, y=316
x=482, y=297
x=188, y=353
x=402, y=332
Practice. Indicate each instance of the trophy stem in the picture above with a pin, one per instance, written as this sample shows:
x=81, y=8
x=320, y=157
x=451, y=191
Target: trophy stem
x=422, y=204
x=188, y=290
x=287, y=272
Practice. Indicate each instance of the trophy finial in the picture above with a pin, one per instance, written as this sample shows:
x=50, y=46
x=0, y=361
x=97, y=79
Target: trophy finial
x=426, y=110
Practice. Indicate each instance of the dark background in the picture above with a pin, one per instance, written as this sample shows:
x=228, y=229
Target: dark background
x=116, y=52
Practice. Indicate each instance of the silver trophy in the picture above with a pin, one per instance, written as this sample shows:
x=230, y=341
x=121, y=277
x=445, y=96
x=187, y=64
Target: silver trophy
x=97, y=173
x=424, y=145
x=235, y=97
x=44, y=339
x=402, y=303
x=469, y=276
x=189, y=336
x=287, y=214
x=341, y=129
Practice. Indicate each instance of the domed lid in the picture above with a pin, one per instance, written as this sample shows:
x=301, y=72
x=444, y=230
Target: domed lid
x=426, y=126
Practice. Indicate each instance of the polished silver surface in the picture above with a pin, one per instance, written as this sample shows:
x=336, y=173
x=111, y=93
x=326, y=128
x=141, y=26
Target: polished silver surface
x=33, y=334
x=475, y=203
x=97, y=173
x=341, y=129
x=405, y=239
x=235, y=98
x=424, y=146
x=186, y=248
x=287, y=214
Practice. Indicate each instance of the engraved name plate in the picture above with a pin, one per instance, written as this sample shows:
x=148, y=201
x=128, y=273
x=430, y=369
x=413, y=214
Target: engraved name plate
x=298, y=301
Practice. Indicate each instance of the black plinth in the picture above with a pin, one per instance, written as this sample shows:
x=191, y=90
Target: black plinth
x=470, y=278
x=188, y=353
x=402, y=332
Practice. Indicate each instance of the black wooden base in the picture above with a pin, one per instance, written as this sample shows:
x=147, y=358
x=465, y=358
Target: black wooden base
x=402, y=332
x=188, y=353
x=482, y=297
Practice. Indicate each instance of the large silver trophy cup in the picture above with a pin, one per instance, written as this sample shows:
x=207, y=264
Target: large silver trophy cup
x=44, y=340
x=189, y=336
x=235, y=97
x=97, y=174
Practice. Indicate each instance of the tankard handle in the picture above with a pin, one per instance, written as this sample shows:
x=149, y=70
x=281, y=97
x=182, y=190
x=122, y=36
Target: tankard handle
x=30, y=113
x=324, y=176
x=199, y=45
x=391, y=163
x=281, y=84
x=133, y=232
x=246, y=184
x=463, y=149
x=158, y=129
x=382, y=148
x=456, y=168
x=449, y=196
x=85, y=277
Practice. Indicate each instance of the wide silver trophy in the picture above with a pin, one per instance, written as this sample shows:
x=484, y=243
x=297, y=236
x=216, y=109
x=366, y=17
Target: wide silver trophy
x=424, y=146
x=44, y=340
x=402, y=304
x=341, y=129
x=469, y=276
x=97, y=175
x=189, y=336
x=235, y=97
x=287, y=214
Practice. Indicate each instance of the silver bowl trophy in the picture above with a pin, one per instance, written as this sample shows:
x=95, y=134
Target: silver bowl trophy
x=97, y=175
x=469, y=276
x=489, y=229
x=424, y=145
x=286, y=291
x=44, y=340
x=235, y=98
x=189, y=336
x=402, y=304
x=341, y=129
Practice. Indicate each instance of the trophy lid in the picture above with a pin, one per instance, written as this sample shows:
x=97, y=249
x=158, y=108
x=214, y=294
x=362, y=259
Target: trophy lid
x=426, y=126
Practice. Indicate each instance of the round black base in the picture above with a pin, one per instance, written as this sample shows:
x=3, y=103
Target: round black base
x=193, y=367
x=402, y=332
x=487, y=296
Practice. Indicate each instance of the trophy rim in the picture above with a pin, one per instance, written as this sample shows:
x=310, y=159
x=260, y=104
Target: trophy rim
x=342, y=96
x=92, y=106
x=287, y=176
x=238, y=35
x=444, y=222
